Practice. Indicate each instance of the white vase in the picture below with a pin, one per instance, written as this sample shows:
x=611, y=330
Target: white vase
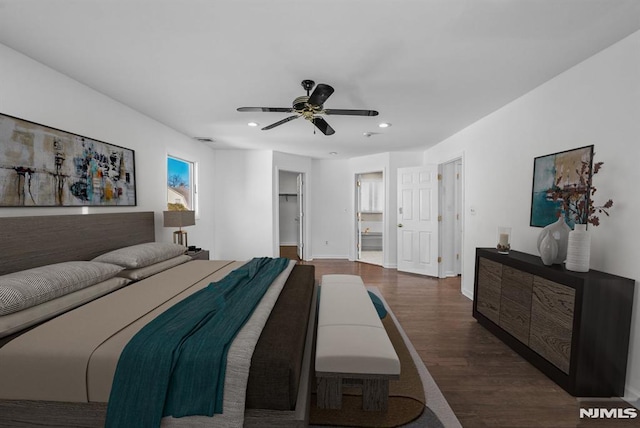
x=579, y=249
x=559, y=231
x=548, y=249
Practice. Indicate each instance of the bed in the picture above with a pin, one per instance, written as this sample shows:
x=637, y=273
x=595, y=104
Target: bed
x=59, y=371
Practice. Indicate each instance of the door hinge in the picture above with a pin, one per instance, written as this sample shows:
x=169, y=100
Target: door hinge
x=439, y=259
x=439, y=218
x=457, y=256
x=439, y=176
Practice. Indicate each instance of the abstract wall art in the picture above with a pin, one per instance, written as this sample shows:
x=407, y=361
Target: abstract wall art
x=45, y=167
x=554, y=174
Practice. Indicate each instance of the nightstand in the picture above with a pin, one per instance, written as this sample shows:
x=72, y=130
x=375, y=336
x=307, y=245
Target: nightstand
x=198, y=255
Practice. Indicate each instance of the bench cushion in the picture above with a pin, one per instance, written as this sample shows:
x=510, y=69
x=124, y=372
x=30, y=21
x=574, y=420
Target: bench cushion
x=351, y=337
x=346, y=304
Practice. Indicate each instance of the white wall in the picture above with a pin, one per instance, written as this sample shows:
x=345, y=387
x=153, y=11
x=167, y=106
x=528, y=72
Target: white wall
x=333, y=203
x=330, y=205
x=596, y=102
x=34, y=92
x=243, y=204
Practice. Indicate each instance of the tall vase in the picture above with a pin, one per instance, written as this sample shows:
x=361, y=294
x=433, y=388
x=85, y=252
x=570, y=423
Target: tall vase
x=559, y=231
x=579, y=249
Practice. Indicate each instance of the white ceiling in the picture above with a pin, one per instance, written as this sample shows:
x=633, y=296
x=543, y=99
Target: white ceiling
x=430, y=67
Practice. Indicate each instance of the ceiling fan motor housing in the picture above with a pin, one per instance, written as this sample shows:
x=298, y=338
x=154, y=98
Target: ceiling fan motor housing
x=300, y=103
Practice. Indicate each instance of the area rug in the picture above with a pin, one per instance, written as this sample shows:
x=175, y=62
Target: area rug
x=415, y=401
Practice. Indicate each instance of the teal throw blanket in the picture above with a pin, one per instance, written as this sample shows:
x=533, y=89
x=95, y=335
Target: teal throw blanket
x=176, y=364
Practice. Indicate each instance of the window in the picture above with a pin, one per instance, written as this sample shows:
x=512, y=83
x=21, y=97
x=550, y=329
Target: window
x=181, y=184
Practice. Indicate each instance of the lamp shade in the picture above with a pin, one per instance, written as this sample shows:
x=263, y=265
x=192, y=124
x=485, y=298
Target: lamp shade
x=179, y=218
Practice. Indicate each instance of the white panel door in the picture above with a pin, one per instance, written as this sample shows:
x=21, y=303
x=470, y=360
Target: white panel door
x=358, y=218
x=300, y=185
x=418, y=220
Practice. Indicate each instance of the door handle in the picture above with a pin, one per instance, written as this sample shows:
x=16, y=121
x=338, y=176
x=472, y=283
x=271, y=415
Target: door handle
x=399, y=224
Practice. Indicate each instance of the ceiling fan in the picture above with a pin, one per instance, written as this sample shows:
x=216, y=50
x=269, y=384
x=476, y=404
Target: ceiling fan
x=311, y=107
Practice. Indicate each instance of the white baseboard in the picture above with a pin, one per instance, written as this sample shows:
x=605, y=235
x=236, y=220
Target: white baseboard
x=467, y=294
x=330, y=256
x=288, y=244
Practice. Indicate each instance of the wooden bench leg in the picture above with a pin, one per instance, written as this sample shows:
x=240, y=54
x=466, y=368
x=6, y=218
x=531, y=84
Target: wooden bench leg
x=375, y=394
x=329, y=394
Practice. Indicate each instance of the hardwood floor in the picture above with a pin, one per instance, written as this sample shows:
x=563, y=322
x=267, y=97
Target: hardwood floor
x=289, y=252
x=485, y=382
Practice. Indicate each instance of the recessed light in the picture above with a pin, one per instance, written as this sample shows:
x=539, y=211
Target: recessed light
x=367, y=134
x=204, y=139
x=384, y=125
x=333, y=153
x=253, y=124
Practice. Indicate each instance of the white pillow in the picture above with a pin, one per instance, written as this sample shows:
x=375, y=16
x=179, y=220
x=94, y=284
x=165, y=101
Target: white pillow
x=141, y=255
x=26, y=317
x=136, y=274
x=20, y=290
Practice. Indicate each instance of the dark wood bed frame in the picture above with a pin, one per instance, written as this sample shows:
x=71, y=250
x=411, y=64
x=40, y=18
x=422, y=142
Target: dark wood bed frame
x=27, y=242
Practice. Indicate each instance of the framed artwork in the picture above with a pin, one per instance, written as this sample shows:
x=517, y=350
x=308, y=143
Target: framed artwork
x=46, y=167
x=554, y=175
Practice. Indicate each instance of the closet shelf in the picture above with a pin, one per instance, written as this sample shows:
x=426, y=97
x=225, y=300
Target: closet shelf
x=286, y=195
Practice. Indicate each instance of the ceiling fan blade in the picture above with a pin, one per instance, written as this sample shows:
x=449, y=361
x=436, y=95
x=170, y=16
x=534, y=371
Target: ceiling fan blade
x=280, y=122
x=320, y=94
x=323, y=126
x=344, y=112
x=267, y=109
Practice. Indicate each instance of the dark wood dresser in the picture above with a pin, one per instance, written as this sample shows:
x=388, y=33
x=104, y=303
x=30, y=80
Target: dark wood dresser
x=572, y=326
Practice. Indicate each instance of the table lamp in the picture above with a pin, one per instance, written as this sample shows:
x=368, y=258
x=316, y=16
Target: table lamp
x=179, y=219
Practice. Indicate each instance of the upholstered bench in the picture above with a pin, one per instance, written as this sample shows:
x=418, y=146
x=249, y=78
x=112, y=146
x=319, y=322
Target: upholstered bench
x=352, y=346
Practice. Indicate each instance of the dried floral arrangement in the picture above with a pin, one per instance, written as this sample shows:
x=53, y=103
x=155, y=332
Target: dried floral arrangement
x=577, y=199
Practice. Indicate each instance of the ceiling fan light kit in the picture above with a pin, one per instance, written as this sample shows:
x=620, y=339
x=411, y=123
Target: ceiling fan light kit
x=310, y=107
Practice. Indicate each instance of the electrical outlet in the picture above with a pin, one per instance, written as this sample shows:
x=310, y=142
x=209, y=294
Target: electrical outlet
x=326, y=242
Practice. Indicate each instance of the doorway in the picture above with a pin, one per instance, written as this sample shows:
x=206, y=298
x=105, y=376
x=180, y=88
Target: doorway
x=370, y=217
x=451, y=224
x=418, y=225
x=291, y=214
